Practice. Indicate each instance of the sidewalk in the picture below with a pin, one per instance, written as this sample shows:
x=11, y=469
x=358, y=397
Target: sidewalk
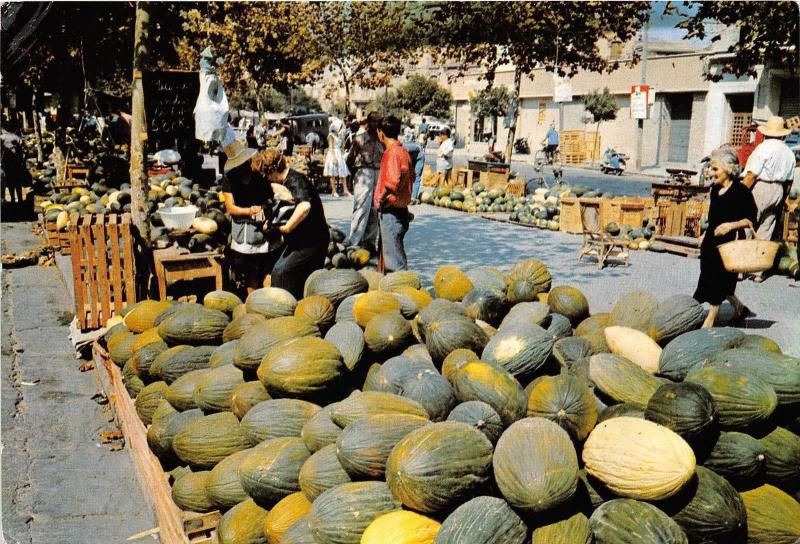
x=60, y=484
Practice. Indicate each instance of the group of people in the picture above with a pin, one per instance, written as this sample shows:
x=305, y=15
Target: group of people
x=278, y=222
x=756, y=202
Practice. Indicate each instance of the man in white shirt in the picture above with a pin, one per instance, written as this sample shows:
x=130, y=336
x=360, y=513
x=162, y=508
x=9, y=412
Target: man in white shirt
x=444, y=156
x=769, y=173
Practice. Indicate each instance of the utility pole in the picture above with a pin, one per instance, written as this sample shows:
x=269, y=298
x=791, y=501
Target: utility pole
x=138, y=171
x=513, y=128
x=642, y=81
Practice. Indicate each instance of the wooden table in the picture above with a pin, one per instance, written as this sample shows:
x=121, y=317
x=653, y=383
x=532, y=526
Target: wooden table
x=172, y=265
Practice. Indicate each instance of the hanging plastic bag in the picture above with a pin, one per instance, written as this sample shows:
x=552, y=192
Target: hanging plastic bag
x=211, y=108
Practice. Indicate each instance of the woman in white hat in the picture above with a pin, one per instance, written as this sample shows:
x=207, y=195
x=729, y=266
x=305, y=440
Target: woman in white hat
x=252, y=252
x=335, y=165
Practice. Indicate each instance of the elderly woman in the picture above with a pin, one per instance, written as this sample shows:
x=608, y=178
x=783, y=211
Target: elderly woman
x=247, y=193
x=732, y=210
x=305, y=233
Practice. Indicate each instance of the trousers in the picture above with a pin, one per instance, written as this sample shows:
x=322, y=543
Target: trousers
x=364, y=223
x=393, y=226
x=769, y=198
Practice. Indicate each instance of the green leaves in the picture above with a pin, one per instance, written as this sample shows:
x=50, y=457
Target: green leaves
x=603, y=106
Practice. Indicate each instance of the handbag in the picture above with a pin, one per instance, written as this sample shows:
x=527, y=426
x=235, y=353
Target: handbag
x=280, y=213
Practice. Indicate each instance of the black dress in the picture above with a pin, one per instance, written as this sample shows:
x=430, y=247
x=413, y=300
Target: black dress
x=307, y=244
x=716, y=283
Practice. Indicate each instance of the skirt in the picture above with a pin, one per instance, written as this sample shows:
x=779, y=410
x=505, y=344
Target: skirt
x=335, y=165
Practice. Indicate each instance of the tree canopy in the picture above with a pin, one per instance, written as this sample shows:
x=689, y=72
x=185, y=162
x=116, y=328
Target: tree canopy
x=602, y=106
x=425, y=96
x=491, y=102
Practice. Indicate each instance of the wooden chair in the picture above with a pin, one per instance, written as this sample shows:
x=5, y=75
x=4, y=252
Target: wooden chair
x=596, y=241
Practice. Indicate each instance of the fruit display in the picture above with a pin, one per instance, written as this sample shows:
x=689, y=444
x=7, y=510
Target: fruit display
x=377, y=407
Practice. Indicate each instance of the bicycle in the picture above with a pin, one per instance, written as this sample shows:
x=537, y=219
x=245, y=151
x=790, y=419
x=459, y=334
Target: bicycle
x=542, y=159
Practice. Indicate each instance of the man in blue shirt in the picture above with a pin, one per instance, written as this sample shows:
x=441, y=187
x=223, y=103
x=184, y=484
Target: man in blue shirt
x=417, y=154
x=422, y=131
x=551, y=141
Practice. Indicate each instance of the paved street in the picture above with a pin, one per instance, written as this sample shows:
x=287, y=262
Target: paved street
x=439, y=237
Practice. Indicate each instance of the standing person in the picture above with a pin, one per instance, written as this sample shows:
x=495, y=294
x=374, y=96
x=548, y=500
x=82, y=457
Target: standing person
x=551, y=143
x=364, y=160
x=305, y=234
x=312, y=141
x=285, y=138
x=732, y=209
x=769, y=173
x=417, y=155
x=260, y=132
x=335, y=167
x=247, y=192
x=392, y=196
x=422, y=133
x=349, y=132
x=14, y=174
x=444, y=156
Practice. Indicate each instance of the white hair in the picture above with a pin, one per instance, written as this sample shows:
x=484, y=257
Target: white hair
x=729, y=161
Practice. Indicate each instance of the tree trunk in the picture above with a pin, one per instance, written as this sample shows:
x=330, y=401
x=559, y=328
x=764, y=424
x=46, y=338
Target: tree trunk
x=346, y=96
x=37, y=129
x=594, y=141
x=138, y=172
x=513, y=128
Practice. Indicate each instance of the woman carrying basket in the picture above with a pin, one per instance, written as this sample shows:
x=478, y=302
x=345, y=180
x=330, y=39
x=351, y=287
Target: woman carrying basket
x=732, y=209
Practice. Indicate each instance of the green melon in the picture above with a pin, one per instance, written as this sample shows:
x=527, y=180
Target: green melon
x=320, y=430
x=520, y=349
x=626, y=521
x=690, y=349
x=742, y=399
x=567, y=401
x=738, y=457
x=212, y=392
x=362, y=404
x=320, y=472
x=257, y=342
x=276, y=418
x=782, y=451
x=492, y=385
x=243, y=524
x=189, y=493
x=177, y=361
x=634, y=310
x=348, y=338
x=223, y=486
x=773, y=517
x=686, y=408
x=194, y=326
x=621, y=380
x=307, y=367
x=526, y=280
x=574, y=529
x=483, y=520
x=569, y=302
x=674, y=316
x=480, y=416
x=148, y=399
x=271, y=470
x=271, y=302
x=180, y=393
x=208, y=440
x=780, y=371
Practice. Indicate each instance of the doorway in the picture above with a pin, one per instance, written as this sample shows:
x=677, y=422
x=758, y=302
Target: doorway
x=679, y=109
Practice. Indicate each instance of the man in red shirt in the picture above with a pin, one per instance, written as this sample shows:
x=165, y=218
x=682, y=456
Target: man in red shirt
x=392, y=196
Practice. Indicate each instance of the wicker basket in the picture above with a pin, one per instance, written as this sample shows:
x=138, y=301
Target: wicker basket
x=746, y=256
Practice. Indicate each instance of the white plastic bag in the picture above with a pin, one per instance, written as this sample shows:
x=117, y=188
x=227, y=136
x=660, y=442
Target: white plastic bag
x=211, y=109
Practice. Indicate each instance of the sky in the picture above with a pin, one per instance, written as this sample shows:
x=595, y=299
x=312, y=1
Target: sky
x=662, y=27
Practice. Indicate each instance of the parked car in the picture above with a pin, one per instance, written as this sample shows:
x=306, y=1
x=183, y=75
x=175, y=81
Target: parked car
x=312, y=122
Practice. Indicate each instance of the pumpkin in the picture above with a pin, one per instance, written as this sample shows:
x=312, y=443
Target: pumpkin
x=222, y=355
x=373, y=303
x=483, y=520
x=180, y=393
x=362, y=404
x=148, y=399
x=394, y=281
x=742, y=399
x=456, y=360
x=773, y=516
x=299, y=533
x=520, y=349
x=546, y=475
x=241, y=325
x=782, y=452
x=446, y=332
x=212, y=392
x=270, y=471
x=388, y=333
x=710, y=510
x=194, y=325
x=318, y=310
x=173, y=363
x=526, y=280
x=686, y=408
x=567, y=401
x=486, y=305
x=480, y=416
x=637, y=458
x=451, y=283
x=223, y=486
x=634, y=345
x=401, y=527
x=492, y=385
x=531, y=313
x=438, y=465
x=738, y=457
x=320, y=472
x=626, y=521
x=284, y=514
x=569, y=302
x=307, y=367
x=276, y=418
x=431, y=390
x=782, y=372
x=242, y=524
x=271, y=302
x=208, y=440
x=592, y=329
x=143, y=315
x=621, y=380
x=348, y=338
x=320, y=430
x=341, y=514
x=335, y=285
x=189, y=493
x=254, y=345
x=674, y=316
x=246, y=395
x=690, y=349
x=223, y=301
x=364, y=445
x=572, y=530
x=634, y=311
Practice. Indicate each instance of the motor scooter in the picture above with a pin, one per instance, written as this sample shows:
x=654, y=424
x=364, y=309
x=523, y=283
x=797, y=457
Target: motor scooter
x=613, y=163
x=521, y=146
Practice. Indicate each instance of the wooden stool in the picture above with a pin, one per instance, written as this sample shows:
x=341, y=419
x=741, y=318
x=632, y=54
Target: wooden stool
x=77, y=172
x=173, y=266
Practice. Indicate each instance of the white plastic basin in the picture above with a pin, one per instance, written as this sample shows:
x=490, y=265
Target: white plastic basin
x=178, y=217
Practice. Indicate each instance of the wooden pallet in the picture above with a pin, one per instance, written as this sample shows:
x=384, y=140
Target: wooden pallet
x=103, y=268
x=680, y=245
x=58, y=240
x=174, y=525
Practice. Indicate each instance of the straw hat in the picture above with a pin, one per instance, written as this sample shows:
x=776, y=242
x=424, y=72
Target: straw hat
x=774, y=127
x=237, y=154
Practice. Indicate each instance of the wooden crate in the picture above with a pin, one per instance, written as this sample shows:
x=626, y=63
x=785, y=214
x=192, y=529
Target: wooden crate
x=174, y=525
x=103, y=268
x=633, y=211
x=55, y=239
x=790, y=216
x=515, y=187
